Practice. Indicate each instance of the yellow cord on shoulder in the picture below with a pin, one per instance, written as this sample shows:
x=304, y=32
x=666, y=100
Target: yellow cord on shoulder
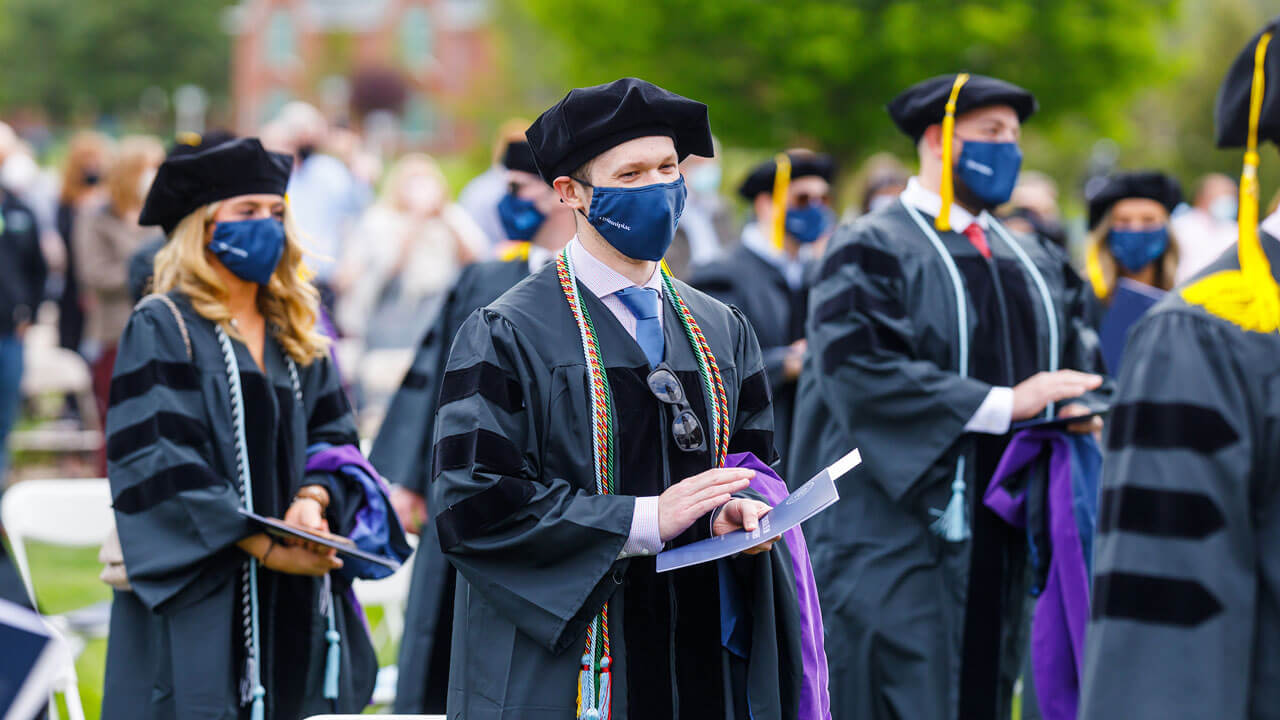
x=1248, y=297
x=948, y=190
x=781, y=184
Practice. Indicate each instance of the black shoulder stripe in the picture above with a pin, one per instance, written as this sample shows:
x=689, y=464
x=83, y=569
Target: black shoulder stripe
x=414, y=380
x=1163, y=513
x=857, y=298
x=1157, y=600
x=163, y=486
x=173, y=375
x=467, y=519
x=754, y=395
x=862, y=340
x=430, y=335
x=175, y=427
x=872, y=261
x=489, y=380
x=481, y=447
x=329, y=408
x=1159, y=426
x=716, y=285
x=757, y=442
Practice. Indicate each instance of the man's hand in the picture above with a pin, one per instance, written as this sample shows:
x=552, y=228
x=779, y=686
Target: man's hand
x=1084, y=427
x=1033, y=395
x=793, y=363
x=743, y=514
x=686, y=501
x=410, y=507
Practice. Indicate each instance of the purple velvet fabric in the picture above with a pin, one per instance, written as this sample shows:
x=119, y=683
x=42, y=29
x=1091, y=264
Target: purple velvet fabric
x=815, y=702
x=1058, y=627
x=376, y=528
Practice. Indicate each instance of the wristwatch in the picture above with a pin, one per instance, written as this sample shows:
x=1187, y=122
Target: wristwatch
x=314, y=492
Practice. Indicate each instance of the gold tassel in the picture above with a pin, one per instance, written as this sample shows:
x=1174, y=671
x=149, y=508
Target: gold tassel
x=948, y=190
x=1248, y=297
x=1093, y=264
x=781, y=183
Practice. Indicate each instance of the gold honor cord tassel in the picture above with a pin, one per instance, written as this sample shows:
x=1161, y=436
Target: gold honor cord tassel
x=1093, y=264
x=948, y=190
x=1248, y=297
x=781, y=183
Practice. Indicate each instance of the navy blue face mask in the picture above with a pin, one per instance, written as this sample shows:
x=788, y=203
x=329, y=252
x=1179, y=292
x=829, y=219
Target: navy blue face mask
x=1136, y=249
x=989, y=169
x=250, y=249
x=640, y=222
x=520, y=217
x=807, y=224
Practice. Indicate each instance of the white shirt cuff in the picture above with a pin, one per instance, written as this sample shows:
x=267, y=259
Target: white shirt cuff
x=994, y=414
x=645, y=539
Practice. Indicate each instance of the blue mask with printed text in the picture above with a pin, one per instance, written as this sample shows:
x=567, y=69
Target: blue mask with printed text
x=250, y=249
x=989, y=169
x=640, y=222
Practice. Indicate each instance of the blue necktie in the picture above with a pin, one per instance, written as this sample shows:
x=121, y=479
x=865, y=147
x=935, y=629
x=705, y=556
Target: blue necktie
x=645, y=304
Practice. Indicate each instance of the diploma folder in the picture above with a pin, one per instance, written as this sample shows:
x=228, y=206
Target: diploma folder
x=344, y=546
x=28, y=663
x=808, y=500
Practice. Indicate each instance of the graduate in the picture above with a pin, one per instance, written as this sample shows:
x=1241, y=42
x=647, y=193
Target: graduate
x=1185, y=623
x=540, y=225
x=584, y=420
x=931, y=328
x=224, y=398
x=766, y=277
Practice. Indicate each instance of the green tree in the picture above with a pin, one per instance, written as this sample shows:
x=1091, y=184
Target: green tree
x=776, y=73
x=86, y=56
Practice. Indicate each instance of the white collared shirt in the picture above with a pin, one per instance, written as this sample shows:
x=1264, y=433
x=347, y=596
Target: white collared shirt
x=995, y=414
x=792, y=268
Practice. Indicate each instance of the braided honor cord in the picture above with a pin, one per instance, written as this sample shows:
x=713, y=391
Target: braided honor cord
x=594, y=678
x=251, y=689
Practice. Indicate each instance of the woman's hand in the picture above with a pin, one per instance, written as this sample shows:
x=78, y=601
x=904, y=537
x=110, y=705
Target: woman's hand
x=307, y=513
x=281, y=558
x=410, y=507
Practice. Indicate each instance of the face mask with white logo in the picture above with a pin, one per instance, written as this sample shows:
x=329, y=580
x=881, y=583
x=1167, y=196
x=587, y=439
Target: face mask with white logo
x=640, y=222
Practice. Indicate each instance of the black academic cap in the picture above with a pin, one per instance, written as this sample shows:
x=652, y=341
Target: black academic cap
x=1232, y=111
x=1149, y=184
x=803, y=164
x=519, y=157
x=925, y=103
x=188, y=182
x=591, y=120
x=189, y=143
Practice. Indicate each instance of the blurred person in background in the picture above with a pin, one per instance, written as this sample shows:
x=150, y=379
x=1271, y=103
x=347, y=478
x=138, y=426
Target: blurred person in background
x=1033, y=209
x=480, y=196
x=540, y=226
x=768, y=282
x=23, y=272
x=404, y=254
x=88, y=154
x=706, y=222
x=1208, y=227
x=326, y=197
x=877, y=183
x=105, y=237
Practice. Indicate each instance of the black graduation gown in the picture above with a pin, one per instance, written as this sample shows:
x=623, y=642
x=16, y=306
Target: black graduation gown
x=917, y=626
x=776, y=312
x=1186, y=606
x=176, y=645
x=537, y=549
x=402, y=453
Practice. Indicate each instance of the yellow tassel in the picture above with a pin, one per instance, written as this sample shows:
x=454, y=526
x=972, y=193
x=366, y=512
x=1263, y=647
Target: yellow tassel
x=948, y=190
x=1248, y=297
x=1094, y=266
x=781, y=183
x=514, y=251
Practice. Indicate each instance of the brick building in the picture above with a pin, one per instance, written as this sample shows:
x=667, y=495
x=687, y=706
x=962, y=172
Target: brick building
x=313, y=50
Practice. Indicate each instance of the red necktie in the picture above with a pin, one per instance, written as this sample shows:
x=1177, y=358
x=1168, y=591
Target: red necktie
x=978, y=237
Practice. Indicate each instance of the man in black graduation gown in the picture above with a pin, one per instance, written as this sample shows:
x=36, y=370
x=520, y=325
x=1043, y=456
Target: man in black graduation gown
x=768, y=283
x=551, y=392
x=1186, y=576
x=533, y=216
x=931, y=328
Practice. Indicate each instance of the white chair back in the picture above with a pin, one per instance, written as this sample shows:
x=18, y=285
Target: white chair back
x=71, y=513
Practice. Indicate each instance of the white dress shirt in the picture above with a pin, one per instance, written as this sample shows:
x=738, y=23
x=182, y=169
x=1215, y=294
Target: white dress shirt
x=995, y=414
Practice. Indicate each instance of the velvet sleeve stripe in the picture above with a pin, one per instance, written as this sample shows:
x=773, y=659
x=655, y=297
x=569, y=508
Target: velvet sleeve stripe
x=329, y=408
x=856, y=298
x=177, y=428
x=484, y=378
x=1152, y=599
x=1160, y=513
x=754, y=395
x=164, y=485
x=415, y=380
x=862, y=340
x=758, y=442
x=479, y=447
x=471, y=517
x=173, y=375
x=872, y=261
x=1161, y=426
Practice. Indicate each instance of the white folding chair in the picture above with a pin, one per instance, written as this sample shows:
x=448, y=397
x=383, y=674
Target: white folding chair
x=53, y=372
x=69, y=513
x=392, y=595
